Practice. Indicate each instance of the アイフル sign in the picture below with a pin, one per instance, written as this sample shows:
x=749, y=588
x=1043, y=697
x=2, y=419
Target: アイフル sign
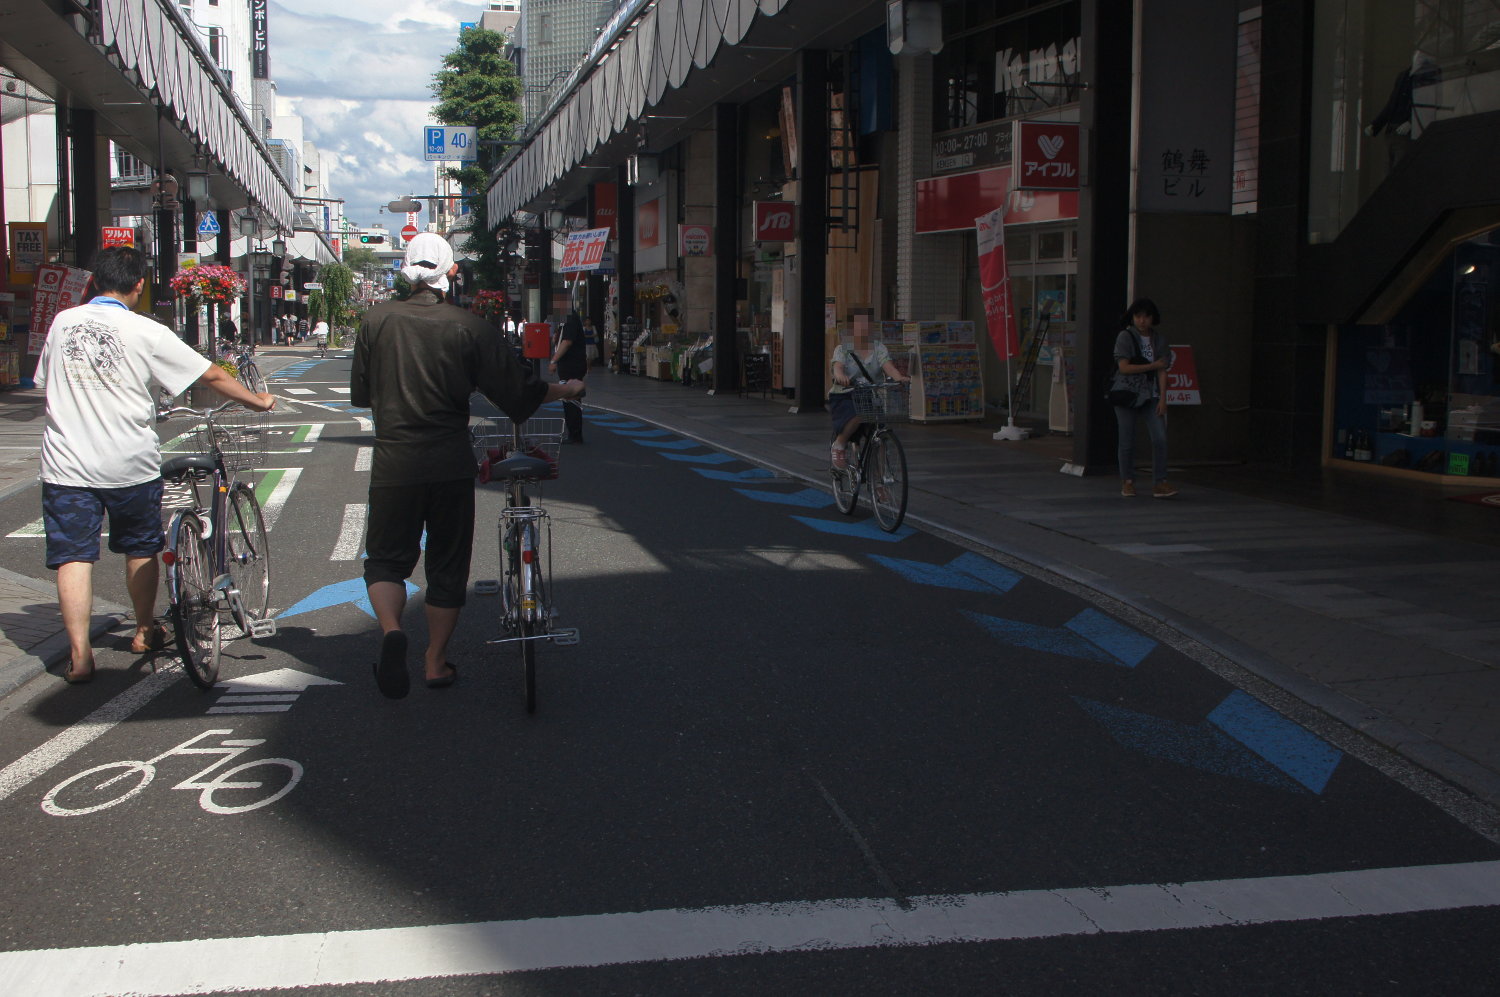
x=1046, y=156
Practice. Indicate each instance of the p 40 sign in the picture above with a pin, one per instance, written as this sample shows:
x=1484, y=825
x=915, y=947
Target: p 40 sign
x=443, y=143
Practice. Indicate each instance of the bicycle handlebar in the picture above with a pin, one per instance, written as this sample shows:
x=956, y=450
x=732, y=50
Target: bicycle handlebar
x=202, y=413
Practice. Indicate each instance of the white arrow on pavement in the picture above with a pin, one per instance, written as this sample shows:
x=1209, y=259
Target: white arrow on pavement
x=268, y=692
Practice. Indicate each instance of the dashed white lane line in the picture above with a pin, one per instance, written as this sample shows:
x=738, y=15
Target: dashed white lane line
x=351, y=534
x=364, y=459
x=336, y=958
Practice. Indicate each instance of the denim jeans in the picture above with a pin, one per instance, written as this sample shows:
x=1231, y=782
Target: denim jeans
x=1156, y=428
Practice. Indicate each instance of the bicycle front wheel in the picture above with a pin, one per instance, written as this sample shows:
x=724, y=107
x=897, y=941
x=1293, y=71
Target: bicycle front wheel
x=846, y=481
x=195, y=617
x=249, y=554
x=251, y=377
x=888, y=481
x=532, y=618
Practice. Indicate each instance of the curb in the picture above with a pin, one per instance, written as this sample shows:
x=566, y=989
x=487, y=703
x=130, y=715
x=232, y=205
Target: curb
x=52, y=650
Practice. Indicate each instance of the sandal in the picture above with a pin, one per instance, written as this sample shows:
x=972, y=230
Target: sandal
x=444, y=681
x=78, y=678
x=156, y=639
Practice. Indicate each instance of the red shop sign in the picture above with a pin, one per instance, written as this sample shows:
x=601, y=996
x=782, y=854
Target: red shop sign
x=951, y=203
x=1046, y=155
x=1182, y=378
x=776, y=221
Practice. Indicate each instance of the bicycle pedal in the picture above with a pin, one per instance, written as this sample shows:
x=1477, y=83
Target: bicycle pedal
x=487, y=586
x=261, y=629
x=566, y=637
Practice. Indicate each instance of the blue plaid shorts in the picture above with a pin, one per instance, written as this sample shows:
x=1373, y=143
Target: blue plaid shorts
x=74, y=517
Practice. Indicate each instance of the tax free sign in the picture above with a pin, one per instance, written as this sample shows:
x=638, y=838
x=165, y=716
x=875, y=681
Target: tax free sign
x=442, y=143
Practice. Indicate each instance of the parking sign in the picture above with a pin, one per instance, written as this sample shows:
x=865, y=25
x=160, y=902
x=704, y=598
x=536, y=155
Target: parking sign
x=460, y=143
x=437, y=142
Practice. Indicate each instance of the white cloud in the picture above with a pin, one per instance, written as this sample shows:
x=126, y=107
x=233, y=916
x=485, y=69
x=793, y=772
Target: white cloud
x=359, y=73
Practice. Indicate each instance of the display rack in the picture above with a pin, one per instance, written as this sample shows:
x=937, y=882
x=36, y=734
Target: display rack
x=946, y=381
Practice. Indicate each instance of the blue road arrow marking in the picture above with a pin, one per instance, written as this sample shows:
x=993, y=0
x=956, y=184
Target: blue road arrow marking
x=641, y=434
x=669, y=444
x=1290, y=747
x=807, y=498
x=753, y=474
x=1053, y=640
x=612, y=422
x=1129, y=646
x=968, y=573
x=702, y=458
x=337, y=594
x=1198, y=745
x=864, y=529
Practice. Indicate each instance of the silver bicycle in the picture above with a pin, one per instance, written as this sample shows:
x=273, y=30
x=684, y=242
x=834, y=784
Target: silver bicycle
x=517, y=455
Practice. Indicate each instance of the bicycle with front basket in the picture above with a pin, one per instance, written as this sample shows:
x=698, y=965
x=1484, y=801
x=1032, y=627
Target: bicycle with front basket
x=519, y=455
x=875, y=456
x=217, y=559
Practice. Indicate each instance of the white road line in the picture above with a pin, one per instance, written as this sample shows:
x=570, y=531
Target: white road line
x=41, y=758
x=366, y=424
x=364, y=458
x=351, y=534
x=314, y=432
x=271, y=507
x=340, y=391
x=338, y=958
x=300, y=391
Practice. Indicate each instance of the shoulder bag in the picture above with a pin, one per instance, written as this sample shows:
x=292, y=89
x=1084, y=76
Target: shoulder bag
x=1130, y=390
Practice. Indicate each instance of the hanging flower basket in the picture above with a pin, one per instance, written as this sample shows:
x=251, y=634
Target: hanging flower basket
x=212, y=283
x=490, y=305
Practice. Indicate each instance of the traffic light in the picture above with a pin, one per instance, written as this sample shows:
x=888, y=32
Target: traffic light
x=371, y=240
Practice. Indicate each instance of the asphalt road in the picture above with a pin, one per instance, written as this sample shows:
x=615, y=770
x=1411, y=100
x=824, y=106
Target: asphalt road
x=791, y=754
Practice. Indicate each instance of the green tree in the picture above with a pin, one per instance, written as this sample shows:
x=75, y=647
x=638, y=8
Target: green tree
x=357, y=258
x=338, y=291
x=478, y=87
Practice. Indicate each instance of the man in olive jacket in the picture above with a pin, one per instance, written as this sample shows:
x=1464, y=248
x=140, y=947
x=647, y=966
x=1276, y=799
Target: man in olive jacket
x=416, y=363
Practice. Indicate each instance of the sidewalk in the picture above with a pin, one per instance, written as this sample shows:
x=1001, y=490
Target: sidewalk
x=1391, y=630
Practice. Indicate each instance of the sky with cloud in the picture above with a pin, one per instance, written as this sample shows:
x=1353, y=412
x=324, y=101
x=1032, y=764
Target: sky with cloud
x=359, y=72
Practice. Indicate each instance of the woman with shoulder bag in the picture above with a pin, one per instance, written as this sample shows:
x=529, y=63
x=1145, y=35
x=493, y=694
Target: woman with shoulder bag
x=1141, y=361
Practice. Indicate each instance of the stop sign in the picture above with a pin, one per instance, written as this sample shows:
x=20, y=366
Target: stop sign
x=409, y=233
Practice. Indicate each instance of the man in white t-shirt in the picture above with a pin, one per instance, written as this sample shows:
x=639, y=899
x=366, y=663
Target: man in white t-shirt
x=100, y=368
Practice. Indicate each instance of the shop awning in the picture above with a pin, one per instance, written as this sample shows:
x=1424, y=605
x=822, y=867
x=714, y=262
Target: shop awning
x=671, y=62
x=145, y=72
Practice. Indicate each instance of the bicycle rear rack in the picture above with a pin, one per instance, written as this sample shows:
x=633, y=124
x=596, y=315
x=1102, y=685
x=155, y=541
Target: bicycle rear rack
x=564, y=637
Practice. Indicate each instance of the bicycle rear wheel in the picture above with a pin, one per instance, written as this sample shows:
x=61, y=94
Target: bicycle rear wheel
x=846, y=481
x=195, y=617
x=532, y=619
x=249, y=553
x=888, y=481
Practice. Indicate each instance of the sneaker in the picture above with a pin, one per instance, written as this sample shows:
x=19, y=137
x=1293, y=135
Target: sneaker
x=1127, y=489
x=1163, y=490
x=839, y=457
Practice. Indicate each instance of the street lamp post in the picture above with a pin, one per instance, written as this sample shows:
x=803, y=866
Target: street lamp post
x=262, y=272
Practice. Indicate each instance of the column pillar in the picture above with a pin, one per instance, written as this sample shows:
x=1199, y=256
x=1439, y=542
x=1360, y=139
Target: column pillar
x=812, y=241
x=726, y=245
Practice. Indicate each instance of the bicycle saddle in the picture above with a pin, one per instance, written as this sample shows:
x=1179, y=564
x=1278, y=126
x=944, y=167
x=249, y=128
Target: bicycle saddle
x=176, y=467
x=516, y=466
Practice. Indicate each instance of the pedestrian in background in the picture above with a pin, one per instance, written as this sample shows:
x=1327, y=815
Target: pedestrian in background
x=101, y=367
x=591, y=338
x=416, y=362
x=570, y=362
x=1141, y=350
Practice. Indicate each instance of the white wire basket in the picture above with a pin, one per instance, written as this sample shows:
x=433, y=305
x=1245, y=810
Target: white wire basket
x=494, y=440
x=887, y=402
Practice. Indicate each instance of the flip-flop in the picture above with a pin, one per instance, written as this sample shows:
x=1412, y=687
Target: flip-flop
x=156, y=639
x=390, y=670
x=444, y=681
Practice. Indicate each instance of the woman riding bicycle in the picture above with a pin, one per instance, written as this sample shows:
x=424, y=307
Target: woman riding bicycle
x=320, y=337
x=853, y=365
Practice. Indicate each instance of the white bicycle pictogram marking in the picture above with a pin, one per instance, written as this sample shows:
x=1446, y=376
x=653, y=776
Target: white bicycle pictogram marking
x=80, y=794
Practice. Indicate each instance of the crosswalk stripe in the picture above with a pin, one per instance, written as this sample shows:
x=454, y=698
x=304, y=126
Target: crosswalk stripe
x=351, y=534
x=364, y=458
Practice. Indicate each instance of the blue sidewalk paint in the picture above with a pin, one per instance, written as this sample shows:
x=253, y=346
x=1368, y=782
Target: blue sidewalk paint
x=968, y=573
x=337, y=594
x=642, y=434
x=1293, y=749
x=866, y=529
x=669, y=444
x=1197, y=745
x=608, y=423
x=1053, y=640
x=1130, y=646
x=807, y=498
x=753, y=474
x=702, y=458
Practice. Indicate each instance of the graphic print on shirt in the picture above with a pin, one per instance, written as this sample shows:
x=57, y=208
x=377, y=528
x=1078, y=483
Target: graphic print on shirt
x=93, y=355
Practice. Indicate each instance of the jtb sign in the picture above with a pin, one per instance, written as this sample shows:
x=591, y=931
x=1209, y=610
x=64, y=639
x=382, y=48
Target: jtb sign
x=775, y=221
x=1046, y=155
